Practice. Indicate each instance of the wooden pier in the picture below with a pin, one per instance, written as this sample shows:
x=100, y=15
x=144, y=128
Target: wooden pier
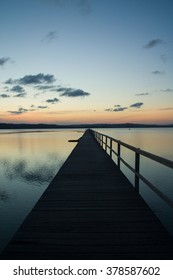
x=90, y=211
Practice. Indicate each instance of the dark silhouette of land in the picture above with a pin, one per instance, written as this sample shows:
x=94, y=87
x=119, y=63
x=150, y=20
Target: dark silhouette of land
x=99, y=125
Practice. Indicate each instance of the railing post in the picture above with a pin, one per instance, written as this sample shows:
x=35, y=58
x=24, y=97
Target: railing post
x=99, y=138
x=102, y=140
x=119, y=154
x=106, y=144
x=137, y=165
x=110, y=148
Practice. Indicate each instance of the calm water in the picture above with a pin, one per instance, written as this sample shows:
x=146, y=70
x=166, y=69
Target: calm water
x=158, y=141
x=29, y=161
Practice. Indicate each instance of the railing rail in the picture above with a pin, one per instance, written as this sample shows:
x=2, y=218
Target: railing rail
x=102, y=139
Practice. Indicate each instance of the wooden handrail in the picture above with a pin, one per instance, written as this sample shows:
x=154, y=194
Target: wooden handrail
x=138, y=152
x=164, y=161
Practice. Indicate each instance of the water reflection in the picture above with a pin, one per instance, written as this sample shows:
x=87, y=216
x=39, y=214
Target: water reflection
x=155, y=140
x=38, y=173
x=28, y=162
x=3, y=196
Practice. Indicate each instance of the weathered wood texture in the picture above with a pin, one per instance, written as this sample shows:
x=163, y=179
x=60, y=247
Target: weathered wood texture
x=90, y=211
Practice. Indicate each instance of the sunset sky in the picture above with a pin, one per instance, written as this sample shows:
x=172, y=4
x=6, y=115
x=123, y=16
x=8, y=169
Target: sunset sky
x=86, y=61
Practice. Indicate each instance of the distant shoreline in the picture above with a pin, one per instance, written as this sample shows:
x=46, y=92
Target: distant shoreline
x=55, y=126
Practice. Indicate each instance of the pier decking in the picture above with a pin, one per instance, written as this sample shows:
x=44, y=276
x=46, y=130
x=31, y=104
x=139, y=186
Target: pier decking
x=90, y=211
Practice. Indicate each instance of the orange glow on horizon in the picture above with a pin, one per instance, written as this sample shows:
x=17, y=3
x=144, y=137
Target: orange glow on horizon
x=81, y=117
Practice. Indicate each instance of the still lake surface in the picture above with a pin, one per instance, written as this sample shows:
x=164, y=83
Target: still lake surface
x=30, y=159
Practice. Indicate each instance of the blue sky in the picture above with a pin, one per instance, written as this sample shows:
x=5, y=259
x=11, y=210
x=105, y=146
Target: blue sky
x=76, y=61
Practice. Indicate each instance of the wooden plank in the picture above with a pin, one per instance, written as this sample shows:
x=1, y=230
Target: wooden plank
x=90, y=211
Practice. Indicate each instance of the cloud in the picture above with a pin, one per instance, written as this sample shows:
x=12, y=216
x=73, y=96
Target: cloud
x=45, y=83
x=20, y=94
x=33, y=79
x=42, y=107
x=4, y=95
x=137, y=105
x=121, y=109
x=4, y=60
x=18, y=89
x=117, y=109
x=52, y=35
x=167, y=90
x=37, y=79
x=45, y=87
x=84, y=6
x=153, y=43
x=142, y=94
x=6, y=88
x=9, y=81
x=53, y=101
x=166, y=109
x=157, y=72
x=19, y=112
x=61, y=89
x=69, y=92
x=163, y=57
x=108, y=110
